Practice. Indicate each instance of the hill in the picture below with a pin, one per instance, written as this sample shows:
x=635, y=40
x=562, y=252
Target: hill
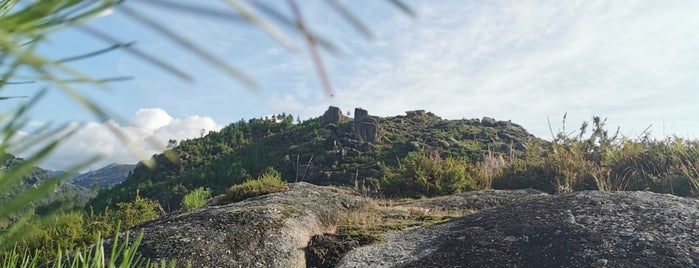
x=65, y=195
x=333, y=149
x=107, y=176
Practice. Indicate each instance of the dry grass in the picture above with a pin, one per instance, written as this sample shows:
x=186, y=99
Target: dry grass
x=376, y=217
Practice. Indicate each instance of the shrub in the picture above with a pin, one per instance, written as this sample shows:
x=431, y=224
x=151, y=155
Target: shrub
x=604, y=162
x=196, y=198
x=663, y=166
x=140, y=210
x=269, y=182
x=427, y=174
x=551, y=174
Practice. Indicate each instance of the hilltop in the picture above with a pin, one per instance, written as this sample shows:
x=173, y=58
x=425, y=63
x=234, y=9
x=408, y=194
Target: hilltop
x=362, y=151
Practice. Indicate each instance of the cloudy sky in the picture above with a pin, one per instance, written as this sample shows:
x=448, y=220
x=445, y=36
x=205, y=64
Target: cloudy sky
x=529, y=61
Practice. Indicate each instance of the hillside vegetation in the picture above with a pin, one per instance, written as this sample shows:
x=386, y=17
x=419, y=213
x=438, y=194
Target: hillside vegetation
x=323, y=151
x=419, y=154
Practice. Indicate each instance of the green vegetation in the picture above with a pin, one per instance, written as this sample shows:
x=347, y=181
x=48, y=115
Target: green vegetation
x=606, y=162
x=71, y=231
x=427, y=174
x=415, y=156
x=268, y=182
x=122, y=255
x=196, y=199
x=326, y=155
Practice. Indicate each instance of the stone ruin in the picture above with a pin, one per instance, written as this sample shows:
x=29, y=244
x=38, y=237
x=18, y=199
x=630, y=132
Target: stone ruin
x=332, y=116
x=415, y=113
x=365, y=126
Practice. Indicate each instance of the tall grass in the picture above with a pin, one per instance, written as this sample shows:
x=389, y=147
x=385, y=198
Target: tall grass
x=122, y=254
x=600, y=161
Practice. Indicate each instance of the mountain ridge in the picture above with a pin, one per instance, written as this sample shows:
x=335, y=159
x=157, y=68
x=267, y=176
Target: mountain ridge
x=106, y=176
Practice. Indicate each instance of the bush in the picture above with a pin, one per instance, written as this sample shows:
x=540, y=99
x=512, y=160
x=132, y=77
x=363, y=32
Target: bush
x=662, y=166
x=604, y=162
x=427, y=174
x=140, y=210
x=552, y=173
x=269, y=182
x=196, y=198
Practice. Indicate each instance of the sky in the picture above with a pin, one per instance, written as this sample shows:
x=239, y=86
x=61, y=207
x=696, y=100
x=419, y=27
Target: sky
x=528, y=61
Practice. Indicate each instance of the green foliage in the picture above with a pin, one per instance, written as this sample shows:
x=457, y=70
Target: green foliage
x=268, y=182
x=238, y=152
x=308, y=152
x=606, y=162
x=427, y=174
x=140, y=210
x=73, y=230
x=23, y=26
x=196, y=198
x=123, y=254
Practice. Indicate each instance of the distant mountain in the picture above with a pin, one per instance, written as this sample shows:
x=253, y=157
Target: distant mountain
x=109, y=175
x=64, y=196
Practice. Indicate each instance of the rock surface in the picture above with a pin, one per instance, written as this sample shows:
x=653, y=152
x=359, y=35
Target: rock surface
x=480, y=200
x=521, y=228
x=331, y=116
x=582, y=229
x=266, y=231
x=365, y=126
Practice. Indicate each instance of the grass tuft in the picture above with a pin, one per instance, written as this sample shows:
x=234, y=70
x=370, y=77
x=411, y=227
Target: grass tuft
x=268, y=182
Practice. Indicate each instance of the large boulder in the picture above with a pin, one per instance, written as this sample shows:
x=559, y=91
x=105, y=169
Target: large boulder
x=369, y=131
x=582, y=229
x=366, y=127
x=266, y=231
x=331, y=116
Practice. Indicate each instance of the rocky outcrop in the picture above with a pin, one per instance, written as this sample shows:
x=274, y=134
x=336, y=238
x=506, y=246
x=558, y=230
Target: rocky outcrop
x=415, y=113
x=266, y=231
x=369, y=131
x=365, y=126
x=488, y=121
x=331, y=116
x=582, y=229
x=521, y=228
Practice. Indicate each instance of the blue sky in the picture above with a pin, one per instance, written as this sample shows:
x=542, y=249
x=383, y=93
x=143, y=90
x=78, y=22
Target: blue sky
x=634, y=62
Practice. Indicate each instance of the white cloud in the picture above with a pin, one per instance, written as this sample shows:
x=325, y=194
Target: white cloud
x=153, y=124
x=151, y=119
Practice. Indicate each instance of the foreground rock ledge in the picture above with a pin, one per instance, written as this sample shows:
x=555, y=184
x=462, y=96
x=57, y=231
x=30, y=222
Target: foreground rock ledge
x=266, y=231
x=583, y=229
